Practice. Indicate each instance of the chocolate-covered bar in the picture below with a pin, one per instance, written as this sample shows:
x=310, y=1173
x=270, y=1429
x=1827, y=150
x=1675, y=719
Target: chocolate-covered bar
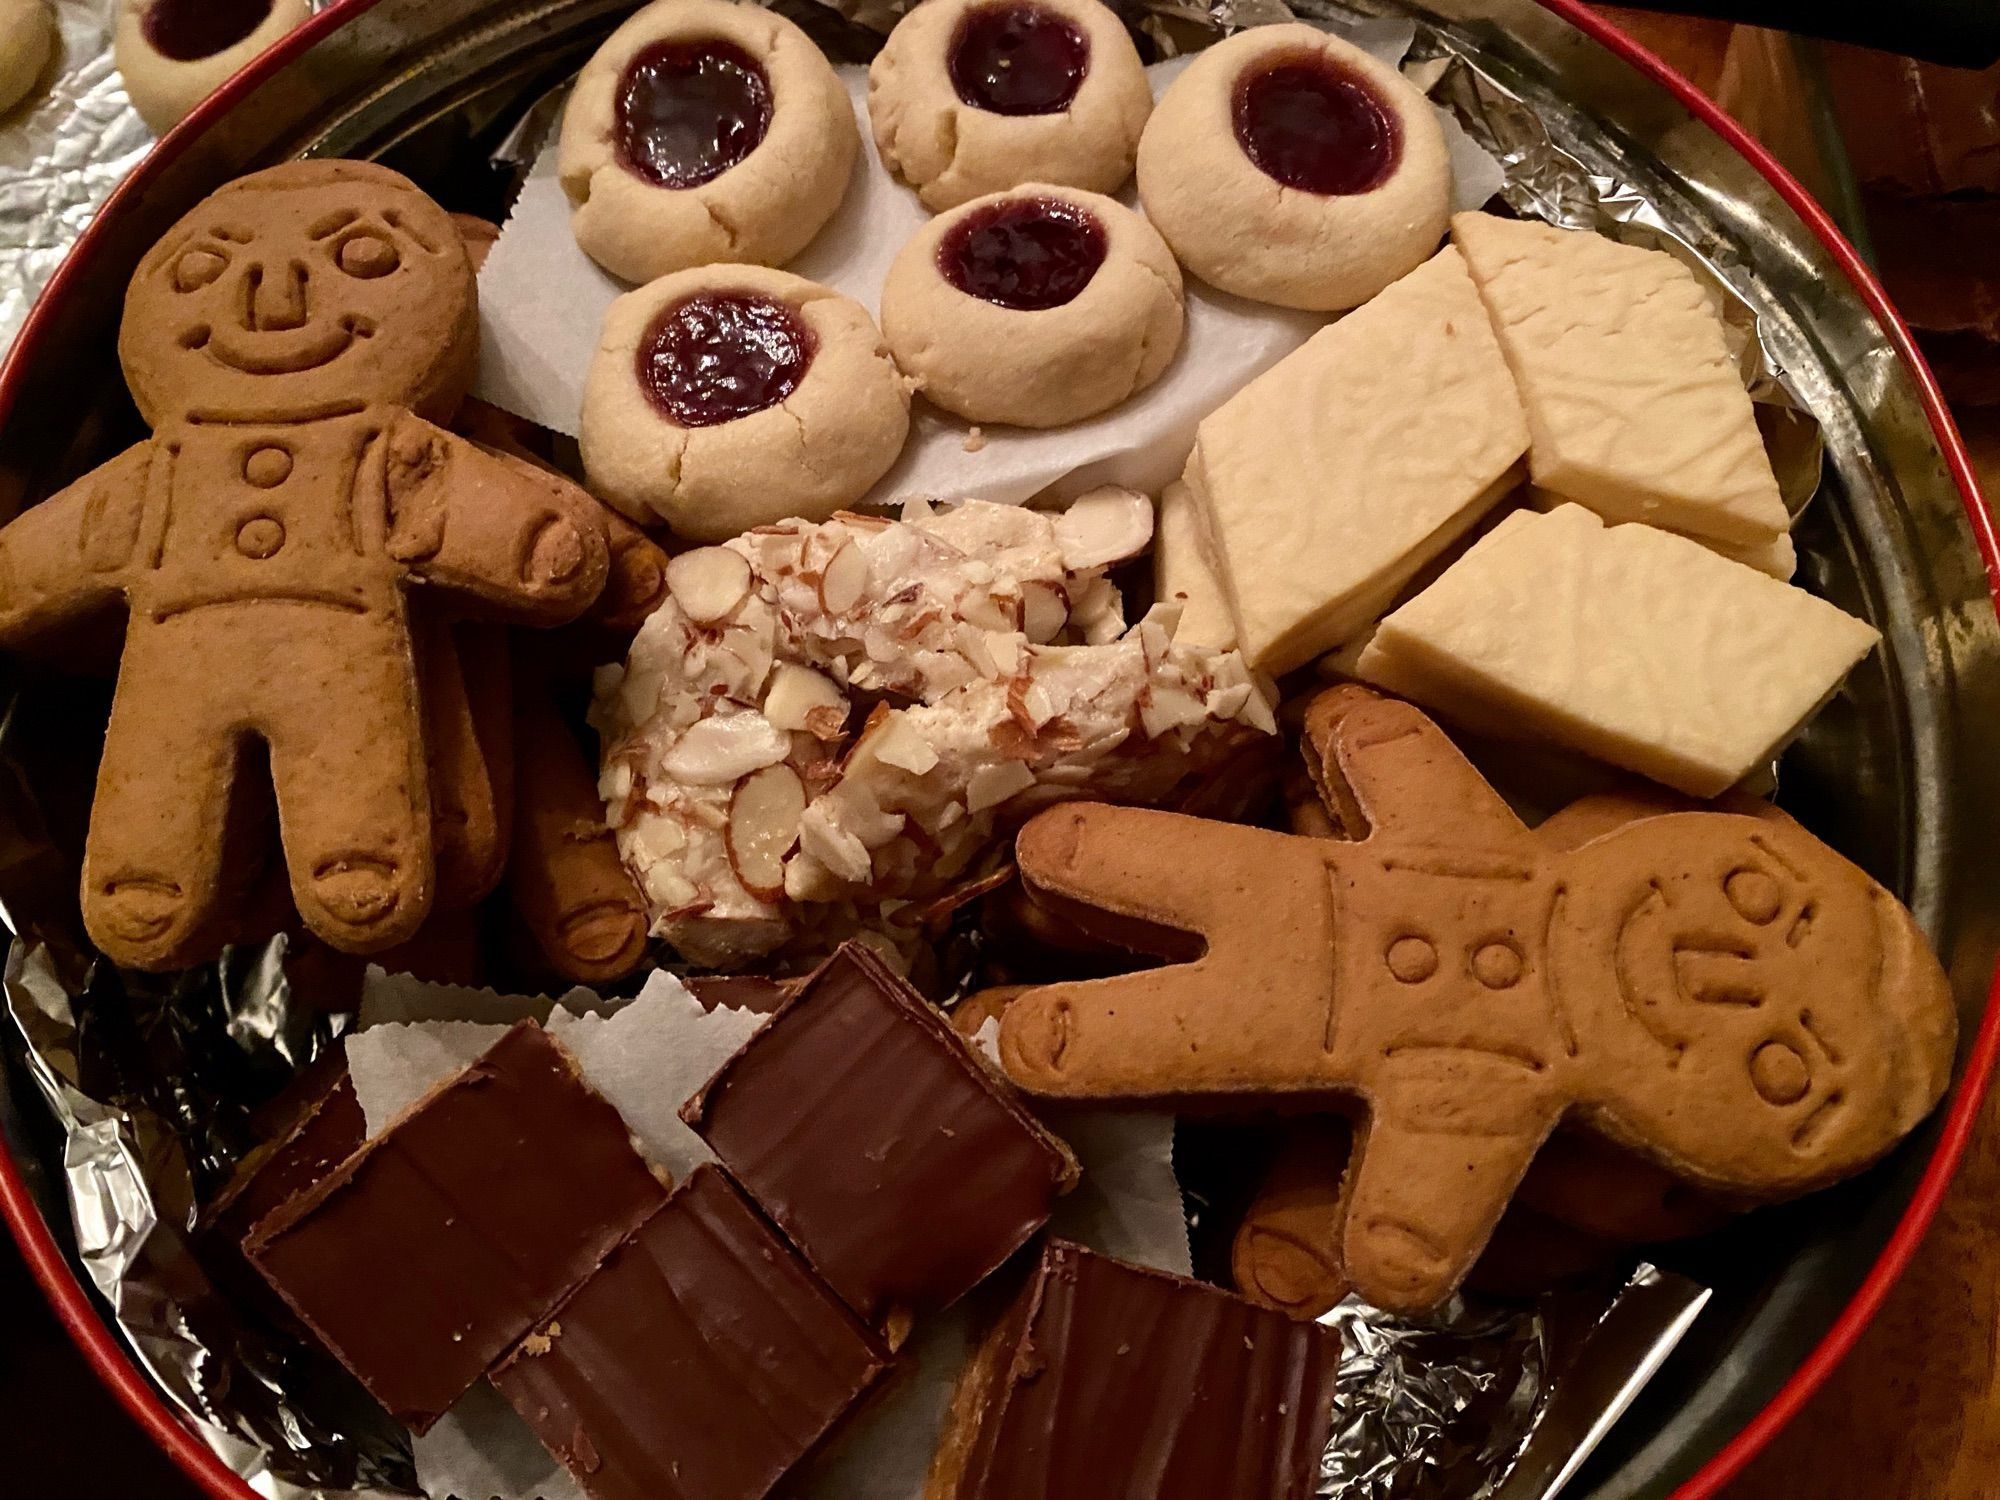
x=318, y=1128
x=1109, y=1379
x=898, y=1163
x=427, y=1255
x=703, y=1360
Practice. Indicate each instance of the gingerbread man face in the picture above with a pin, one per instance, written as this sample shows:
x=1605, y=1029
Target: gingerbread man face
x=1740, y=961
x=305, y=287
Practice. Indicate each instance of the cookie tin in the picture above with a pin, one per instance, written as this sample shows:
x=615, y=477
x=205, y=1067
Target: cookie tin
x=1894, y=774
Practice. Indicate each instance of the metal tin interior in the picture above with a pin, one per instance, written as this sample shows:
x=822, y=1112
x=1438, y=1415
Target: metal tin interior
x=1891, y=774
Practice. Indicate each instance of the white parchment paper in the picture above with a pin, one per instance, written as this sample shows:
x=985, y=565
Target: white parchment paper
x=542, y=301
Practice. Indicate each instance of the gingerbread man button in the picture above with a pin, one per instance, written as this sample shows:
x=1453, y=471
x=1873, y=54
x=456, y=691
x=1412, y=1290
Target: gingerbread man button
x=1722, y=994
x=290, y=342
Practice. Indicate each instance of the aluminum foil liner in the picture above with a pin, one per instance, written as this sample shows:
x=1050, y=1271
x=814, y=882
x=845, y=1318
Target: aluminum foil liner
x=152, y=1082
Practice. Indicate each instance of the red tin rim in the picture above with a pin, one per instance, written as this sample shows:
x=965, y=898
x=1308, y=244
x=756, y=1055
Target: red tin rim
x=136, y=1392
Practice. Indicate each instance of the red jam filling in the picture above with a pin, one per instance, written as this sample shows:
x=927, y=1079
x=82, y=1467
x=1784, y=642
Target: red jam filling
x=1024, y=253
x=689, y=111
x=1017, y=59
x=718, y=356
x=1316, y=126
x=186, y=30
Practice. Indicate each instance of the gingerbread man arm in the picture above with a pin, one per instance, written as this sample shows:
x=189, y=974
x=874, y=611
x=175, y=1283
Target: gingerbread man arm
x=66, y=556
x=1261, y=988
x=523, y=543
x=1384, y=769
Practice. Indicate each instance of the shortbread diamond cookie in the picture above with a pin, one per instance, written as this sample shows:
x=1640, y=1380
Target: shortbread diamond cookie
x=969, y=97
x=1034, y=307
x=1289, y=166
x=175, y=53
x=733, y=396
x=703, y=131
x=27, y=37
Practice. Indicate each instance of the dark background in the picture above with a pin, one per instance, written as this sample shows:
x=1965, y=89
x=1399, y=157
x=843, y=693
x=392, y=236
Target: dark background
x=62, y=1435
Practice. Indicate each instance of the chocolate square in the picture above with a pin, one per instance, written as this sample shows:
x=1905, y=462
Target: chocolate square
x=899, y=1163
x=1110, y=1379
x=704, y=1359
x=428, y=1254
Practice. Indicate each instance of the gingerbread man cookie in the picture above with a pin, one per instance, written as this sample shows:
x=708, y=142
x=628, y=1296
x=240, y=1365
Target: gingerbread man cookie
x=289, y=342
x=1721, y=994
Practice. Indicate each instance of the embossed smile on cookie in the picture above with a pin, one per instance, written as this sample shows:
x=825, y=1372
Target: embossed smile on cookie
x=1024, y=253
x=1313, y=124
x=688, y=111
x=272, y=310
x=187, y=30
x=1018, y=59
x=718, y=356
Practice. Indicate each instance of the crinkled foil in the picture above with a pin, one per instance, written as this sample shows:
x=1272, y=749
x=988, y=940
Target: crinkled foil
x=150, y=1083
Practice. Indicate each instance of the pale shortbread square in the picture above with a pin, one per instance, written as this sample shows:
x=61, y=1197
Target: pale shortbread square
x=1181, y=569
x=1631, y=644
x=1331, y=478
x=1635, y=406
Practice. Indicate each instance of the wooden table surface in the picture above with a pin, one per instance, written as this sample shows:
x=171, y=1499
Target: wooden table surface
x=1914, y=1412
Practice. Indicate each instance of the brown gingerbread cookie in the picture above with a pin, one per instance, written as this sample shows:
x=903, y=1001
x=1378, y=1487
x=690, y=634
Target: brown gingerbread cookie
x=291, y=342
x=1721, y=994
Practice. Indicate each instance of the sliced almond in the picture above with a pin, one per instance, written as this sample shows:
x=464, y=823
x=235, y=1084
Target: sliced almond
x=844, y=580
x=842, y=855
x=796, y=692
x=897, y=743
x=764, y=827
x=1104, y=526
x=708, y=583
x=991, y=785
x=1044, y=610
x=718, y=750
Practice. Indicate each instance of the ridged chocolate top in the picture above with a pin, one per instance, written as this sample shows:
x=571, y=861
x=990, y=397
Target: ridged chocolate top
x=701, y=1362
x=896, y=1161
x=1107, y=1381
x=428, y=1254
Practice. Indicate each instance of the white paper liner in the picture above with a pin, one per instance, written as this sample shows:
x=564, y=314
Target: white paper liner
x=542, y=301
x=648, y=1056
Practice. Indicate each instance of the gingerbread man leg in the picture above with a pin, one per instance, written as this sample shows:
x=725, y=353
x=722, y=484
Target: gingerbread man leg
x=153, y=863
x=1260, y=992
x=347, y=759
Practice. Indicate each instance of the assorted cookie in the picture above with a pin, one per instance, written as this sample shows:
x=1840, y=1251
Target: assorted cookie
x=1722, y=994
x=28, y=39
x=286, y=341
x=1289, y=166
x=173, y=54
x=1036, y=306
x=736, y=396
x=970, y=97
x=704, y=131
